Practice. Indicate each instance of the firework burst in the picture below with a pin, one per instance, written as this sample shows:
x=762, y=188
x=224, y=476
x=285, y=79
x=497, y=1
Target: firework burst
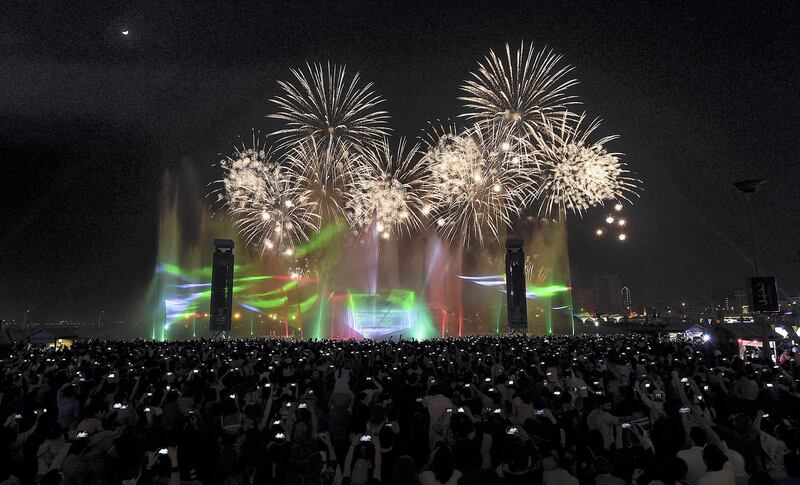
x=269, y=208
x=387, y=189
x=325, y=103
x=577, y=174
x=477, y=183
x=324, y=173
x=522, y=91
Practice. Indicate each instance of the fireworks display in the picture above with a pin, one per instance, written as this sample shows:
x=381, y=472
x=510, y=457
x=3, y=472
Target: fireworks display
x=387, y=190
x=577, y=174
x=325, y=103
x=268, y=206
x=522, y=148
x=323, y=174
x=523, y=91
x=477, y=183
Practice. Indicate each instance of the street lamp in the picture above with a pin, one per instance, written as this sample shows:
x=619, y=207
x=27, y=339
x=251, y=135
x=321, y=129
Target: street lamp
x=748, y=188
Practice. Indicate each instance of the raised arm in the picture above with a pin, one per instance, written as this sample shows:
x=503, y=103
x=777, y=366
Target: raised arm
x=376, y=471
x=348, y=461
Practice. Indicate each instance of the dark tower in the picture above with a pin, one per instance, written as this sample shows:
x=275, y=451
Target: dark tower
x=517, y=304
x=219, y=320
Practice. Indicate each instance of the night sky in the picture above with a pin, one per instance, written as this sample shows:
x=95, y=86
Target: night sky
x=703, y=94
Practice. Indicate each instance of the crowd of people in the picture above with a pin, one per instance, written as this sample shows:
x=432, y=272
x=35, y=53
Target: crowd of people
x=610, y=410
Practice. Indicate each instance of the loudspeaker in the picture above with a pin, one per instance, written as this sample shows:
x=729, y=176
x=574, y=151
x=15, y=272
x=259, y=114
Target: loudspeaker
x=221, y=286
x=517, y=302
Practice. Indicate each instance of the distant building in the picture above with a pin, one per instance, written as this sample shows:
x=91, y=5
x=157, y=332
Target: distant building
x=625, y=293
x=608, y=294
x=739, y=300
x=583, y=300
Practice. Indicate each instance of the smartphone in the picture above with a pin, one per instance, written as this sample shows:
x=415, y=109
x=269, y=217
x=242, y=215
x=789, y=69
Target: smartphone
x=82, y=434
x=510, y=383
x=460, y=410
x=366, y=438
x=769, y=384
x=18, y=416
x=232, y=396
x=684, y=410
x=163, y=451
x=302, y=405
x=685, y=380
x=111, y=376
x=147, y=410
x=497, y=411
x=117, y=406
x=626, y=425
x=540, y=412
x=511, y=430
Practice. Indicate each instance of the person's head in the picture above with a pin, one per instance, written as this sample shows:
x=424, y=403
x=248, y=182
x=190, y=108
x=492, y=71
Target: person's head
x=714, y=458
x=602, y=465
x=460, y=426
x=761, y=478
x=517, y=458
x=442, y=464
x=362, y=469
x=404, y=472
x=301, y=433
x=52, y=477
x=791, y=462
x=698, y=436
x=672, y=470
x=377, y=414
